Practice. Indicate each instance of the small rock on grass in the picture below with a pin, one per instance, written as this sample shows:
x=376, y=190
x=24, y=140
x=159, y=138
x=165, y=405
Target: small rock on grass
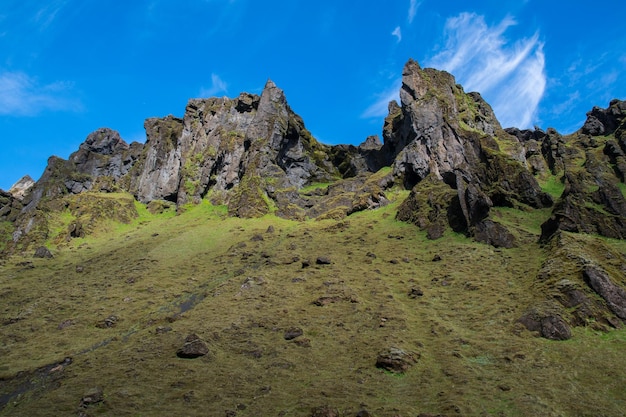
x=396, y=360
x=193, y=348
x=293, y=332
x=42, y=252
x=323, y=260
x=92, y=397
x=415, y=292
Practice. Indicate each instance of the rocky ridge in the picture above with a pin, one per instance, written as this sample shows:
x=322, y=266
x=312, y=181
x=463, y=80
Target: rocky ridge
x=254, y=154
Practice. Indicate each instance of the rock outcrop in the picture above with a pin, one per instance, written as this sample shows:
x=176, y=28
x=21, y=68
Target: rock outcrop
x=593, y=167
x=582, y=282
x=254, y=154
x=21, y=187
x=443, y=133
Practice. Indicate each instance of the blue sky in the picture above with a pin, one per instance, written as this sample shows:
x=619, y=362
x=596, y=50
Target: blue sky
x=68, y=67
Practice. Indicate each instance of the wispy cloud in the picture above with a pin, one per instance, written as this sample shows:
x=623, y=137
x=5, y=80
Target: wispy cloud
x=510, y=76
x=380, y=108
x=45, y=15
x=413, y=6
x=22, y=95
x=397, y=32
x=217, y=86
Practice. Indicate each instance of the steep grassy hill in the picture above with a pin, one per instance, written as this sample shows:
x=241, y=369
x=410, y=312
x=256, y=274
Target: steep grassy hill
x=95, y=330
x=232, y=265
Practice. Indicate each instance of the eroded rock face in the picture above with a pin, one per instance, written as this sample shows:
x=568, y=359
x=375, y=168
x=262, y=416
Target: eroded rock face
x=254, y=154
x=583, y=209
x=605, y=121
x=570, y=280
x=158, y=170
x=443, y=133
x=614, y=295
x=10, y=207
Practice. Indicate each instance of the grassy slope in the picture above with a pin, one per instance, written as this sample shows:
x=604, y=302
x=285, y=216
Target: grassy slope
x=474, y=359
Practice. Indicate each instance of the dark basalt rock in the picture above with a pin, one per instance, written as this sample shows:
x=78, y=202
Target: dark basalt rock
x=549, y=326
x=574, y=213
x=254, y=154
x=292, y=333
x=494, y=234
x=42, y=252
x=193, y=348
x=10, y=207
x=440, y=133
x=614, y=295
x=605, y=121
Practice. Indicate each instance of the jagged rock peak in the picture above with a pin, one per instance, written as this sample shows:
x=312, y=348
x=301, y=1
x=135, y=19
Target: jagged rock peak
x=371, y=143
x=605, y=121
x=269, y=84
x=104, y=141
x=21, y=187
x=453, y=138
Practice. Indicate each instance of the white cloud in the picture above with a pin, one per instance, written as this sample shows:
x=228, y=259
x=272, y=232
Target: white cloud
x=217, y=86
x=48, y=13
x=380, y=108
x=397, y=32
x=22, y=95
x=511, y=77
x=413, y=6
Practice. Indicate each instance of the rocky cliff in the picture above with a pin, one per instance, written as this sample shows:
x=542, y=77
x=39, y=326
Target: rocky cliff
x=255, y=155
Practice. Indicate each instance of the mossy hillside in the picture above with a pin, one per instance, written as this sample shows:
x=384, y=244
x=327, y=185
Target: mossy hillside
x=240, y=286
x=6, y=233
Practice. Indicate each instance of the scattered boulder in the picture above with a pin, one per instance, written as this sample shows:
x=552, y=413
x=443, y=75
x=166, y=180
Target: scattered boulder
x=92, y=397
x=415, y=292
x=109, y=322
x=43, y=252
x=494, y=234
x=193, y=348
x=293, y=332
x=555, y=328
x=396, y=360
x=257, y=237
x=548, y=325
x=323, y=260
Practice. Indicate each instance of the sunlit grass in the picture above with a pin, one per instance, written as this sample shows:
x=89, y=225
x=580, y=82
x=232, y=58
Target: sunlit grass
x=167, y=275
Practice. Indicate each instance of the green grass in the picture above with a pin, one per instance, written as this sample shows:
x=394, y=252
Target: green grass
x=553, y=186
x=6, y=230
x=474, y=358
x=312, y=187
